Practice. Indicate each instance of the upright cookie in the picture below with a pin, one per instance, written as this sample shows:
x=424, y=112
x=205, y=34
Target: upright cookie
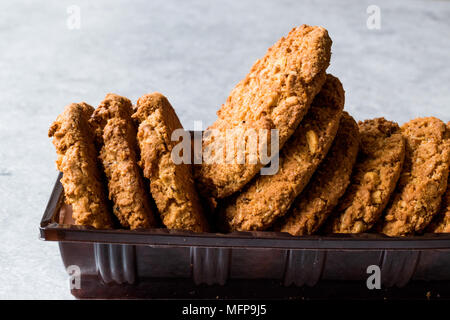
x=268, y=197
x=116, y=135
x=423, y=180
x=374, y=177
x=77, y=160
x=328, y=184
x=171, y=184
x=441, y=223
x=276, y=94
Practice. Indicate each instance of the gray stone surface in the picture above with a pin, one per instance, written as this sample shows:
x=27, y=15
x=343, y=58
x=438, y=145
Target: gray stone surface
x=194, y=52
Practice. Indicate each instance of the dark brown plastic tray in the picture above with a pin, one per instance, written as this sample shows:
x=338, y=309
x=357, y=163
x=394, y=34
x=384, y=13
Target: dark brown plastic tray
x=161, y=263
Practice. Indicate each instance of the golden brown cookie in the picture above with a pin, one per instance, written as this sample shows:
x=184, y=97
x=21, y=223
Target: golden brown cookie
x=441, y=223
x=374, y=177
x=116, y=135
x=268, y=197
x=328, y=184
x=276, y=94
x=171, y=184
x=77, y=160
x=423, y=179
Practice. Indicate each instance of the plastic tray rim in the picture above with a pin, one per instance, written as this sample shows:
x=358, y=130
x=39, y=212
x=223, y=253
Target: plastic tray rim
x=52, y=231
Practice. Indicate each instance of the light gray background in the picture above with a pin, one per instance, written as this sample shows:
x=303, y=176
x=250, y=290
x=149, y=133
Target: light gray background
x=194, y=52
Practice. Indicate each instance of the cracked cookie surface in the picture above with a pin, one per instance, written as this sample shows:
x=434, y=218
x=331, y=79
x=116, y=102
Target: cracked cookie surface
x=77, y=160
x=441, y=223
x=311, y=208
x=276, y=94
x=172, y=185
x=374, y=177
x=116, y=137
x=268, y=197
x=423, y=179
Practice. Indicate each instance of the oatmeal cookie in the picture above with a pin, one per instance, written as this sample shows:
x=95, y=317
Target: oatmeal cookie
x=328, y=184
x=441, y=223
x=423, y=179
x=171, y=184
x=77, y=160
x=268, y=197
x=276, y=94
x=374, y=177
x=116, y=136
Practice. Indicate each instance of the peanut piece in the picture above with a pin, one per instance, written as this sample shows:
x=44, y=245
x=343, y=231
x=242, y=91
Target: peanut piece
x=272, y=99
x=291, y=101
x=313, y=141
x=358, y=227
x=376, y=197
x=371, y=177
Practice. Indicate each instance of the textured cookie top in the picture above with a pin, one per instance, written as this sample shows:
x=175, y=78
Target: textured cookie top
x=327, y=185
x=171, y=184
x=423, y=179
x=113, y=106
x=150, y=103
x=276, y=94
x=155, y=113
x=441, y=223
x=268, y=197
x=293, y=62
x=374, y=177
x=77, y=159
x=116, y=135
x=70, y=127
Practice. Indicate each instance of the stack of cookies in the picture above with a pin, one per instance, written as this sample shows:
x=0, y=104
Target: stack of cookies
x=332, y=175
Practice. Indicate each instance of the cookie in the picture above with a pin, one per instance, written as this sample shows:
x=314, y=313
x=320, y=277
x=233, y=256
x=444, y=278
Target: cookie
x=423, y=179
x=376, y=172
x=77, y=160
x=116, y=136
x=328, y=184
x=276, y=94
x=269, y=197
x=172, y=185
x=441, y=223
